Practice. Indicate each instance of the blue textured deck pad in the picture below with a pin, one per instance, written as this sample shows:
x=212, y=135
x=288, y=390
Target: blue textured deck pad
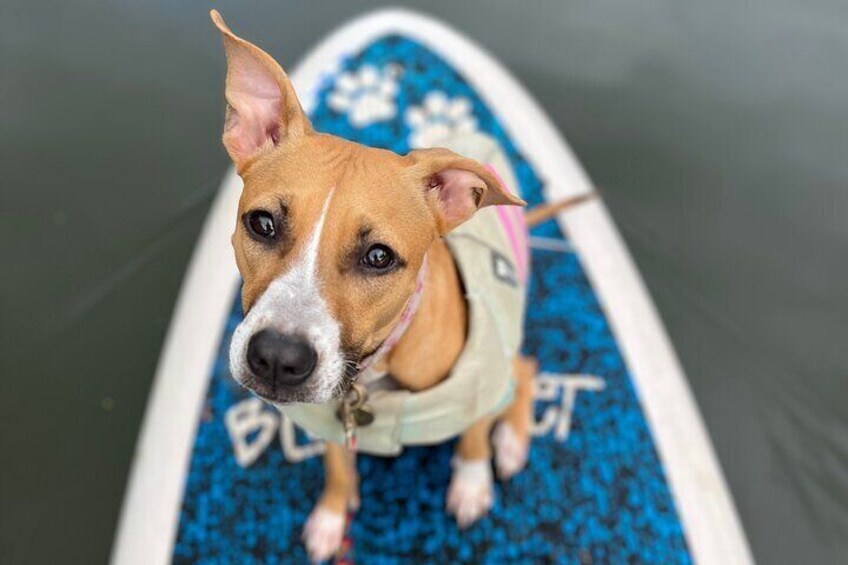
x=594, y=491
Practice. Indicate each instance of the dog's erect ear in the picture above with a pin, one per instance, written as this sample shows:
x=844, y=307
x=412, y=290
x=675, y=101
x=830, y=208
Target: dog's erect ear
x=456, y=187
x=262, y=108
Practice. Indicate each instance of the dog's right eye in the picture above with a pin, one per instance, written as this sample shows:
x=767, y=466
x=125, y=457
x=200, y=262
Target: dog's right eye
x=261, y=224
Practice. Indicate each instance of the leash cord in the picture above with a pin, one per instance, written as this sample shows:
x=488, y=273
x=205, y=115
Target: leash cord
x=350, y=409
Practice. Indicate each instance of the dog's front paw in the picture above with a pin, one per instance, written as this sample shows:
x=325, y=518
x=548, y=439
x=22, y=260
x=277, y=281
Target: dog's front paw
x=470, y=494
x=323, y=533
x=511, y=451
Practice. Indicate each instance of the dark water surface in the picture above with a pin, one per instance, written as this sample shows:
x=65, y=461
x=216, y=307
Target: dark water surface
x=718, y=133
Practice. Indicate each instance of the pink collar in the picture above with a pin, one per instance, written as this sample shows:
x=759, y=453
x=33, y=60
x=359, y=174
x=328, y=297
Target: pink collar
x=403, y=324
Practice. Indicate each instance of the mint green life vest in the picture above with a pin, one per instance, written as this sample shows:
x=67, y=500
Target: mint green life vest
x=491, y=254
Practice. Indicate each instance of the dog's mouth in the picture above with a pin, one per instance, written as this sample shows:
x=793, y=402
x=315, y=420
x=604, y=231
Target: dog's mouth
x=271, y=391
x=287, y=394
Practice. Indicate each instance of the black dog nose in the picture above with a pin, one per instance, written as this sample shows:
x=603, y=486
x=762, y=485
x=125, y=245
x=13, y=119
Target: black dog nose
x=279, y=358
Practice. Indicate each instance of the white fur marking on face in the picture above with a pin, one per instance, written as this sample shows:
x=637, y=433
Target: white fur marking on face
x=292, y=304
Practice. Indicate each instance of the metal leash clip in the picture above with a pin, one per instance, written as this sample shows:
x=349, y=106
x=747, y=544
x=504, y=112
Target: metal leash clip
x=354, y=412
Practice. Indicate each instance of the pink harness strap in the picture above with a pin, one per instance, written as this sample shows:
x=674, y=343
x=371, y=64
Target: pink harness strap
x=403, y=324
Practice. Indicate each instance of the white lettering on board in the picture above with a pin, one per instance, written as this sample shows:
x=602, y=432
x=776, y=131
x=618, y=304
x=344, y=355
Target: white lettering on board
x=563, y=388
x=293, y=452
x=252, y=425
x=244, y=419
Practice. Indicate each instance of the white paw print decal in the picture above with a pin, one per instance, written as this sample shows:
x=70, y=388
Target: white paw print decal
x=367, y=95
x=438, y=118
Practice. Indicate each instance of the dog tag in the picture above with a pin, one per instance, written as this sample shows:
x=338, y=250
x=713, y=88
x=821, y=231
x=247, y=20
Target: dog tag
x=363, y=415
x=353, y=411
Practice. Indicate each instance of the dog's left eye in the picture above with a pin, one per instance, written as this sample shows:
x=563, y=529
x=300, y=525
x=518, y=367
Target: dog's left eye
x=378, y=257
x=261, y=224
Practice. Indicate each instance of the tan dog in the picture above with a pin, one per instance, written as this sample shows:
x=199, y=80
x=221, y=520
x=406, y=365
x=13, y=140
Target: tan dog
x=330, y=239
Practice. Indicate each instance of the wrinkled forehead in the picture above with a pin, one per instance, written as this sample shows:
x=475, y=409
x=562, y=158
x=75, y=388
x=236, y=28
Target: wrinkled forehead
x=368, y=194
x=363, y=213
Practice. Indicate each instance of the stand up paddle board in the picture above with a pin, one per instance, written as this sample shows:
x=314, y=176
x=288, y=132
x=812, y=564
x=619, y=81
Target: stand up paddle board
x=621, y=468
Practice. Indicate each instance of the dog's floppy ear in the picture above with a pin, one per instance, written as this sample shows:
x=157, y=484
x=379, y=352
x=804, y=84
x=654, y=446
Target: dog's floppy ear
x=262, y=108
x=455, y=187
